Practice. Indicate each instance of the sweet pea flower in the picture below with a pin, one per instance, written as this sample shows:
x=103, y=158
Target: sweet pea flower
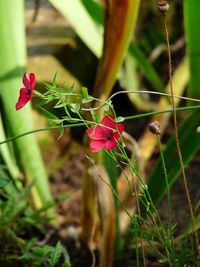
x=105, y=135
x=26, y=93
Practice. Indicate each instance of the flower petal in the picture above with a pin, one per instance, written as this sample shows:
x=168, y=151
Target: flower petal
x=108, y=121
x=32, y=80
x=97, y=145
x=29, y=81
x=96, y=132
x=110, y=144
x=120, y=128
x=23, y=98
x=106, y=134
x=26, y=80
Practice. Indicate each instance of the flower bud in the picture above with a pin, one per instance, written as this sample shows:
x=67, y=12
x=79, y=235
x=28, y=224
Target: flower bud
x=198, y=130
x=163, y=6
x=154, y=127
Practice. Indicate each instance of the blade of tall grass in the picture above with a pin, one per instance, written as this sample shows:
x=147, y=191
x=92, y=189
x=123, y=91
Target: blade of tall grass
x=95, y=10
x=13, y=60
x=7, y=158
x=192, y=20
x=94, y=23
x=128, y=80
x=77, y=15
x=147, y=68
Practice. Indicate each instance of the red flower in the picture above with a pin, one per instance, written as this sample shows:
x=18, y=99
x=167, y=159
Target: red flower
x=105, y=135
x=26, y=93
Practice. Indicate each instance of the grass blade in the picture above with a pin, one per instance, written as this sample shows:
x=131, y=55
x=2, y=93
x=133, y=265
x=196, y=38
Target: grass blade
x=192, y=20
x=77, y=15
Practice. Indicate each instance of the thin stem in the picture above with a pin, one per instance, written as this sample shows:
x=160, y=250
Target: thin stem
x=141, y=226
x=168, y=198
x=109, y=185
x=83, y=124
x=141, y=92
x=148, y=114
x=154, y=93
x=177, y=138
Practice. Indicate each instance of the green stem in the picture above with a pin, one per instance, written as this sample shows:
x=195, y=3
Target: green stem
x=148, y=114
x=168, y=200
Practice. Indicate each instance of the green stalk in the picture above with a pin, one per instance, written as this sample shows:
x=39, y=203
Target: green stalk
x=7, y=158
x=192, y=21
x=13, y=61
x=172, y=248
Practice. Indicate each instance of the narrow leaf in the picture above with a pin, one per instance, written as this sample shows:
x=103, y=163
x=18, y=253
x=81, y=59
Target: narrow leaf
x=55, y=255
x=76, y=13
x=192, y=21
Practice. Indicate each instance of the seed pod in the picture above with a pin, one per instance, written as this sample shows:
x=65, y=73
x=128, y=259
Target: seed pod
x=154, y=127
x=163, y=6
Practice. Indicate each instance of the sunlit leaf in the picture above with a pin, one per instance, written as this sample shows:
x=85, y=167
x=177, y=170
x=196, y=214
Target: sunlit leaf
x=76, y=14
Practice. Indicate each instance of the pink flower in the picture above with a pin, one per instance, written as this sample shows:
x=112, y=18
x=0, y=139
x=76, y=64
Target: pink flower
x=105, y=135
x=26, y=93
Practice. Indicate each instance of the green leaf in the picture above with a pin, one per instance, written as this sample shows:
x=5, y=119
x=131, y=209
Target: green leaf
x=48, y=114
x=77, y=15
x=49, y=87
x=71, y=88
x=62, y=90
x=59, y=104
x=106, y=107
x=8, y=159
x=84, y=92
x=94, y=10
x=4, y=181
x=119, y=119
x=147, y=68
x=12, y=207
x=192, y=21
x=54, y=79
x=49, y=99
x=38, y=94
x=56, y=254
x=87, y=100
x=85, y=97
x=62, y=131
x=75, y=107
